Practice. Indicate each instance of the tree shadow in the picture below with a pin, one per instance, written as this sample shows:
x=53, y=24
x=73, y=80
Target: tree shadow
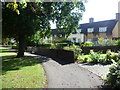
x=10, y=63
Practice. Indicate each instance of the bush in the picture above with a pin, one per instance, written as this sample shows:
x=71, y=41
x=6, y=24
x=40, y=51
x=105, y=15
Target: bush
x=113, y=78
x=101, y=41
x=88, y=44
x=47, y=45
x=95, y=56
x=111, y=56
x=60, y=45
x=109, y=42
x=77, y=50
x=117, y=42
x=84, y=58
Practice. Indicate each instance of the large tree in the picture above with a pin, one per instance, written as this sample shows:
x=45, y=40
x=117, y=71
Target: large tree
x=21, y=20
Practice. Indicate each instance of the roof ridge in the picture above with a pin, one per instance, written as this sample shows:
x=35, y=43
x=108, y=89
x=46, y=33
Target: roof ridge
x=101, y=21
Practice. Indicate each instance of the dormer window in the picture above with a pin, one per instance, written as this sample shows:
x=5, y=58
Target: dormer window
x=90, y=30
x=79, y=30
x=102, y=29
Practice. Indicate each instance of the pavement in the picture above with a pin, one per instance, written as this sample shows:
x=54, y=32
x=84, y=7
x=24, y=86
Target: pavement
x=70, y=76
x=67, y=75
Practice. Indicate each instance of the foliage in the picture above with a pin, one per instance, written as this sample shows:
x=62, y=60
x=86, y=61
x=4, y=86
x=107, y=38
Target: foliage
x=113, y=78
x=77, y=50
x=84, y=58
x=101, y=41
x=95, y=56
x=109, y=42
x=66, y=41
x=117, y=42
x=111, y=56
x=88, y=44
x=36, y=16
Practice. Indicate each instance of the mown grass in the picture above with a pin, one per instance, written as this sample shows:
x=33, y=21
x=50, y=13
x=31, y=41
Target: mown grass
x=25, y=72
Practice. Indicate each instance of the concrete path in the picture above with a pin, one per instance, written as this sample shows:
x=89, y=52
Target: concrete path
x=67, y=76
x=70, y=76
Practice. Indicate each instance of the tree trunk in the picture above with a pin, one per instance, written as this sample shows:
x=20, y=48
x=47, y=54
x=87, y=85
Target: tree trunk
x=21, y=47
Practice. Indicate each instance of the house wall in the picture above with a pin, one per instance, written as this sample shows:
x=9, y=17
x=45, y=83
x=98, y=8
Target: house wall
x=79, y=37
x=119, y=29
x=91, y=35
x=58, y=38
x=115, y=33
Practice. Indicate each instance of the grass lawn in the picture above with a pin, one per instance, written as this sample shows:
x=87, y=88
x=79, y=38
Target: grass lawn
x=25, y=72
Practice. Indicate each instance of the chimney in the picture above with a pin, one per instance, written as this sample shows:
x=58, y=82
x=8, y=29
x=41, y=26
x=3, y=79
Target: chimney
x=118, y=16
x=91, y=20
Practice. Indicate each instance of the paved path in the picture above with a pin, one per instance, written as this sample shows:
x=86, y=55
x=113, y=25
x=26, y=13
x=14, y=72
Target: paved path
x=67, y=76
x=70, y=76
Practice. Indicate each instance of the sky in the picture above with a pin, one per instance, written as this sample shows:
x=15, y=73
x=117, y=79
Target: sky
x=99, y=10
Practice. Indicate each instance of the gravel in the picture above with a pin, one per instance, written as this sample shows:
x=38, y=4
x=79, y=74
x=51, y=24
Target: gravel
x=98, y=69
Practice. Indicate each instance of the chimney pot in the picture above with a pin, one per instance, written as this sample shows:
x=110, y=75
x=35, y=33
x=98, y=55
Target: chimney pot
x=118, y=16
x=91, y=20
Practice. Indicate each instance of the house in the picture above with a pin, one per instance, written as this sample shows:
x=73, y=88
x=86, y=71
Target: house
x=108, y=29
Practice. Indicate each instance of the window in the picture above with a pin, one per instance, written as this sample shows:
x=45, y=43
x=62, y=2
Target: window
x=79, y=30
x=102, y=29
x=55, y=35
x=89, y=40
x=89, y=30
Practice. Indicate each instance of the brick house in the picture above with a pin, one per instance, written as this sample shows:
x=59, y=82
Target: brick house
x=108, y=29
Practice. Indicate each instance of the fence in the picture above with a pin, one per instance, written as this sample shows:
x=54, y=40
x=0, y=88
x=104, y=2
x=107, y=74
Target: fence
x=86, y=50
x=63, y=55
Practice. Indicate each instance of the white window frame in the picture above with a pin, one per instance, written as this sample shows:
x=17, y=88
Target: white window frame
x=90, y=30
x=102, y=29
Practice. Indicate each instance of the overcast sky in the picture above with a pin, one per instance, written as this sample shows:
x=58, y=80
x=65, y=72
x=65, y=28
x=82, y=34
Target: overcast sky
x=99, y=10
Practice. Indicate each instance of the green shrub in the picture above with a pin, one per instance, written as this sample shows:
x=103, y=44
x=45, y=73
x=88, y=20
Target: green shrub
x=111, y=56
x=117, y=42
x=109, y=42
x=88, y=44
x=77, y=50
x=47, y=45
x=101, y=41
x=95, y=56
x=60, y=45
x=84, y=58
x=113, y=78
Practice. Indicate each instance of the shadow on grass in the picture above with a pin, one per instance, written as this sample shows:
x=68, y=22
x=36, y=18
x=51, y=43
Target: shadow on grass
x=11, y=63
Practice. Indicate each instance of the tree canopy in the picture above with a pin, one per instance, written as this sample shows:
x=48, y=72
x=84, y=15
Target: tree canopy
x=21, y=20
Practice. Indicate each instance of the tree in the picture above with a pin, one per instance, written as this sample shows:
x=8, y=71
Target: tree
x=21, y=20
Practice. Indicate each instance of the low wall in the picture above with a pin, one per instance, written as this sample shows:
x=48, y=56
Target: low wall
x=63, y=55
x=86, y=50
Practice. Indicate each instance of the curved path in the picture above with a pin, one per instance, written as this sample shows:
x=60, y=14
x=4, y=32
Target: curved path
x=70, y=76
x=67, y=76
